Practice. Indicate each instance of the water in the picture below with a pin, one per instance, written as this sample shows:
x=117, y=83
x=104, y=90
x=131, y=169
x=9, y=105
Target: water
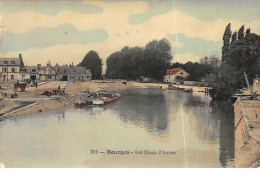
x=198, y=133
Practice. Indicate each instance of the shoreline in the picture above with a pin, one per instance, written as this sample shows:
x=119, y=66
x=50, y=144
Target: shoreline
x=38, y=103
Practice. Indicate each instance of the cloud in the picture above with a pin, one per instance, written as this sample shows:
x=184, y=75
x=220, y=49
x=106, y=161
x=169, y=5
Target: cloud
x=186, y=57
x=48, y=7
x=155, y=8
x=44, y=37
x=112, y=22
x=239, y=10
x=244, y=11
x=196, y=46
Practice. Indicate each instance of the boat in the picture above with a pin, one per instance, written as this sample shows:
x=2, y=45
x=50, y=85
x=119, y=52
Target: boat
x=115, y=96
x=170, y=87
x=88, y=100
x=98, y=102
x=100, y=98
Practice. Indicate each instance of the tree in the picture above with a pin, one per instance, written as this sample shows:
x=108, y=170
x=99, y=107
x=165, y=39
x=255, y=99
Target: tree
x=134, y=63
x=226, y=40
x=93, y=62
x=242, y=54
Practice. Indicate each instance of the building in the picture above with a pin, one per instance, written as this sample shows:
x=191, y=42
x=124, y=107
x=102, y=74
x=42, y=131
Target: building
x=10, y=68
x=13, y=69
x=29, y=73
x=64, y=73
x=173, y=75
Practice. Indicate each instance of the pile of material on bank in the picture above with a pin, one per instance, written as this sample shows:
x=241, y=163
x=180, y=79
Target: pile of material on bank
x=100, y=98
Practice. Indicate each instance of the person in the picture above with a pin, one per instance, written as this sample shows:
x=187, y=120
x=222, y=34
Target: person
x=36, y=85
x=59, y=89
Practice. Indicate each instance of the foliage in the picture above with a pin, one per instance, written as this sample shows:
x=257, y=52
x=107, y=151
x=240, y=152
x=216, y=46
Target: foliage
x=240, y=53
x=134, y=63
x=93, y=62
x=200, y=70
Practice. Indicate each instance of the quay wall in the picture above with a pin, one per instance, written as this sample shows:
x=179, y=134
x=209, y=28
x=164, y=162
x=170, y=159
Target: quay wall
x=247, y=147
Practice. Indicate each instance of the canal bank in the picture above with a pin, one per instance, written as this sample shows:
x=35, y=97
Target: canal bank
x=247, y=132
x=40, y=103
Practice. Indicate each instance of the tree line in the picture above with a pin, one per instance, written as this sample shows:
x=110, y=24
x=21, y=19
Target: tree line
x=240, y=53
x=135, y=63
x=200, y=70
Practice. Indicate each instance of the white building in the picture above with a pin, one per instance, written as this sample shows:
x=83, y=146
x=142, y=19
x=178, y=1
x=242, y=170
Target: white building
x=171, y=75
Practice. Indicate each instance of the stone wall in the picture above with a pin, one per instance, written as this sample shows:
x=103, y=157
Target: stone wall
x=247, y=147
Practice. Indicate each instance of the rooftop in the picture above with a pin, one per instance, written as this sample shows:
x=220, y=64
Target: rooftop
x=173, y=70
x=10, y=61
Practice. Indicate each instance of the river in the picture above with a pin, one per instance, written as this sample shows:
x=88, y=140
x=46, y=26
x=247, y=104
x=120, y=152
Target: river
x=147, y=123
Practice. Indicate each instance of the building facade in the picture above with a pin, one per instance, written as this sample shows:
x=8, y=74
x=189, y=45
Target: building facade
x=173, y=74
x=29, y=73
x=64, y=73
x=13, y=69
x=10, y=68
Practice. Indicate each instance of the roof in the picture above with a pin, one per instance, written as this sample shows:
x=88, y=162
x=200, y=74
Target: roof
x=29, y=69
x=65, y=69
x=16, y=60
x=173, y=70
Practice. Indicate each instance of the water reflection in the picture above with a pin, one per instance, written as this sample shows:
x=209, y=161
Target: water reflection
x=149, y=108
x=224, y=112
x=142, y=118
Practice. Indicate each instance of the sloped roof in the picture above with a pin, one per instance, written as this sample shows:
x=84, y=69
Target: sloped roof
x=173, y=70
x=16, y=60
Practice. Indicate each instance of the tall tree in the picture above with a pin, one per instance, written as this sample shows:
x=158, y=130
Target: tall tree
x=242, y=54
x=93, y=62
x=226, y=40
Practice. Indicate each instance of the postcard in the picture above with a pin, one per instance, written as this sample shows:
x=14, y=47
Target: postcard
x=129, y=84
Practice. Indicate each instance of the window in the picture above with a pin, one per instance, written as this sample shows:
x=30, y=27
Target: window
x=12, y=77
x=24, y=70
x=33, y=70
x=4, y=69
x=13, y=70
x=181, y=73
x=65, y=71
x=5, y=62
x=12, y=62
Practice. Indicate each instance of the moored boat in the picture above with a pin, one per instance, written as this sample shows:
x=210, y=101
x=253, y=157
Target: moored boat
x=88, y=100
x=100, y=98
x=98, y=102
x=115, y=97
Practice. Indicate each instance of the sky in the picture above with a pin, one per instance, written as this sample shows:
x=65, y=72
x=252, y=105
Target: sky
x=64, y=31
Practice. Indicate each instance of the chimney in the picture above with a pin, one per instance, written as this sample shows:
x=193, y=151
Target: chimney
x=38, y=65
x=21, y=61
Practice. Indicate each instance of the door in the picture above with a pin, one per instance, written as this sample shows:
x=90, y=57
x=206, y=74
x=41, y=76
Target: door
x=65, y=78
x=33, y=77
